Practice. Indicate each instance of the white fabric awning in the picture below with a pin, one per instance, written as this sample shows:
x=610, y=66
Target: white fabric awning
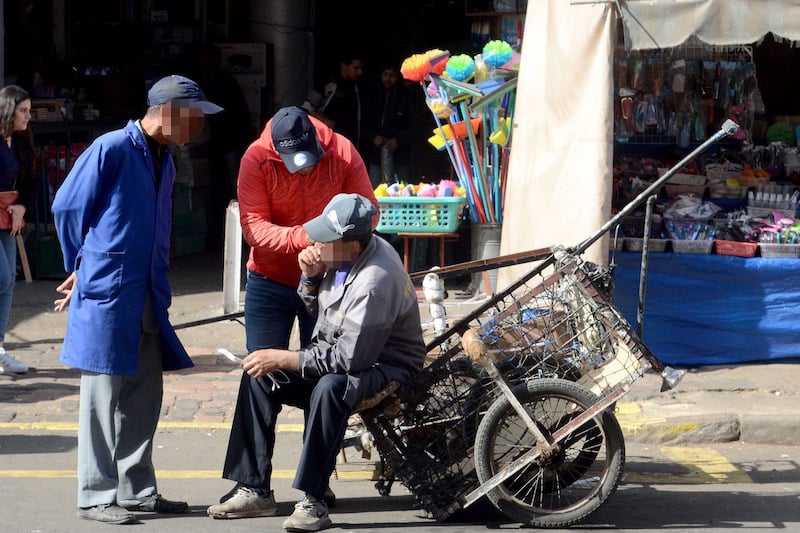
x=667, y=23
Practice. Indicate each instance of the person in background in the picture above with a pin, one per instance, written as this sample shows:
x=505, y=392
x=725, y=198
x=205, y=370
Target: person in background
x=387, y=129
x=16, y=174
x=229, y=134
x=367, y=334
x=286, y=177
x=344, y=101
x=113, y=215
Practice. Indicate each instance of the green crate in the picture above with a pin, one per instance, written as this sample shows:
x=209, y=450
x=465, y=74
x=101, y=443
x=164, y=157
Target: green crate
x=414, y=214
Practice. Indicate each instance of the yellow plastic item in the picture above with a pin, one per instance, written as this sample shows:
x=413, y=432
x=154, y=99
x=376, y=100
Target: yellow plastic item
x=436, y=141
x=500, y=135
x=460, y=129
x=439, y=107
x=380, y=190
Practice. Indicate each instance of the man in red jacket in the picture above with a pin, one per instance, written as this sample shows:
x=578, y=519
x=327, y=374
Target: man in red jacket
x=286, y=178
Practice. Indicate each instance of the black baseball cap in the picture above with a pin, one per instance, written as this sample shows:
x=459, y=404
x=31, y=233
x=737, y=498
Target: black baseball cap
x=295, y=139
x=346, y=215
x=176, y=87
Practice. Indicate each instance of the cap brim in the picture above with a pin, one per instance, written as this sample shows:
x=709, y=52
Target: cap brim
x=207, y=107
x=319, y=229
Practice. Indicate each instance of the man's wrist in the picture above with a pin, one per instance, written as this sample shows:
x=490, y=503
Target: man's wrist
x=311, y=281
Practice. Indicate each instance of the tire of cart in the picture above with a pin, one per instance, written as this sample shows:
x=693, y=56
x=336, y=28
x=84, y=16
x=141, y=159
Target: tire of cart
x=568, y=482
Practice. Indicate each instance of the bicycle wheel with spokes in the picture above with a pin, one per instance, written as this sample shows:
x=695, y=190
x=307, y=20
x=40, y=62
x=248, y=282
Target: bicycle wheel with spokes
x=565, y=483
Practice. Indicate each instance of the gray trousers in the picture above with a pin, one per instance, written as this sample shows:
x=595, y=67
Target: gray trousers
x=117, y=421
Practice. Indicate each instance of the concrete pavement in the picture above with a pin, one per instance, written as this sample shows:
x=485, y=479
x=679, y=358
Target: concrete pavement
x=757, y=403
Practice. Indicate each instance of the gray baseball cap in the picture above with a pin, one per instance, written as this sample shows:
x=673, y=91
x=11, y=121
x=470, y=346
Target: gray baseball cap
x=346, y=215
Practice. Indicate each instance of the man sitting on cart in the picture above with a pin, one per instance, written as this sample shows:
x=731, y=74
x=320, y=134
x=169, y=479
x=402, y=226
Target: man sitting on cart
x=367, y=334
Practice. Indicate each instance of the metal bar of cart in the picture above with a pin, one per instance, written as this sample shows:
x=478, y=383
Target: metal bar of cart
x=524, y=460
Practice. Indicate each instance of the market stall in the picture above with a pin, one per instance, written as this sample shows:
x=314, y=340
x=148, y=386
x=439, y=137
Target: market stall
x=713, y=309
x=568, y=118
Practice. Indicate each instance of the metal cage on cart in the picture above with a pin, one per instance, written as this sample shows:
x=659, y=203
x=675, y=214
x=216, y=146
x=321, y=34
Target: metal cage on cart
x=555, y=322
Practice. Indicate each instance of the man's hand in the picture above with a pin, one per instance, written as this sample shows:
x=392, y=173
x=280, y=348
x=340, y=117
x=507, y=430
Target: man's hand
x=261, y=362
x=66, y=289
x=310, y=260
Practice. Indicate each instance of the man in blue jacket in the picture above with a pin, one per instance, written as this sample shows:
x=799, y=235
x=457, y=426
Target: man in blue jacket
x=113, y=215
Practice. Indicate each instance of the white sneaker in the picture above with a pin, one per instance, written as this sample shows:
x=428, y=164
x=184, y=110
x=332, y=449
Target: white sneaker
x=9, y=365
x=245, y=503
x=310, y=514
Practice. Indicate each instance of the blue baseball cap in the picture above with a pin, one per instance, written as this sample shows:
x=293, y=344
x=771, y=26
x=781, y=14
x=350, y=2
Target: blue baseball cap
x=295, y=139
x=176, y=87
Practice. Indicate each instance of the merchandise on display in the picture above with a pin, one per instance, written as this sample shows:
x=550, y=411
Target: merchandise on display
x=472, y=101
x=681, y=95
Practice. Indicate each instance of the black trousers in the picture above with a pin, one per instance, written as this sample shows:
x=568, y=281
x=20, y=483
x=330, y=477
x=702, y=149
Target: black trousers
x=252, y=440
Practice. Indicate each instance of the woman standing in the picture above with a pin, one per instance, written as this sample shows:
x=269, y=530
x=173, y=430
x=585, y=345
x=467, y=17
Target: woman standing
x=16, y=174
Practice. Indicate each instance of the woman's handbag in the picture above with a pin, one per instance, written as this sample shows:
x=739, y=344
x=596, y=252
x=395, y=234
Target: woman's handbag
x=7, y=198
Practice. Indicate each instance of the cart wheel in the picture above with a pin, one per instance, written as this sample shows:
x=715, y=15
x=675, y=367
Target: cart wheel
x=386, y=479
x=561, y=486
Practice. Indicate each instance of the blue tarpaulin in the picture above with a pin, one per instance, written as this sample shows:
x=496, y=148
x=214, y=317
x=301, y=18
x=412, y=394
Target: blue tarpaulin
x=713, y=309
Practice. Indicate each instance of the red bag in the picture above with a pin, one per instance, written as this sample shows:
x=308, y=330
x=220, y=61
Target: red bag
x=7, y=199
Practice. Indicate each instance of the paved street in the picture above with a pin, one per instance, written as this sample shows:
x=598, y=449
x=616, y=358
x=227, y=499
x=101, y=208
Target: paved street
x=703, y=481
x=716, y=487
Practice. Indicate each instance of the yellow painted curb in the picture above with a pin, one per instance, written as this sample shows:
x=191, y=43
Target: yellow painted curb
x=357, y=475
x=73, y=426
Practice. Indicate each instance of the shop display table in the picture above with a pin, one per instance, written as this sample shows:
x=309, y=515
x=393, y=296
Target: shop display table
x=442, y=237
x=714, y=309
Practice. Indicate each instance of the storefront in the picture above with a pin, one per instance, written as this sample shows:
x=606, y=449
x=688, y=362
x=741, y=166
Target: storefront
x=574, y=125
x=88, y=67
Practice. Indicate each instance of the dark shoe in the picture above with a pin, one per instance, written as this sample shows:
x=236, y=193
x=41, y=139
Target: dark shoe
x=329, y=498
x=156, y=504
x=107, y=513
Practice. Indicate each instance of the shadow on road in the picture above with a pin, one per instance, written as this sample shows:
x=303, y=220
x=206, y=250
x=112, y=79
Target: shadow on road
x=27, y=444
x=634, y=508
x=19, y=392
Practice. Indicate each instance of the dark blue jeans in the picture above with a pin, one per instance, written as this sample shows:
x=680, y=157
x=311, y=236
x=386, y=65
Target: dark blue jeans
x=252, y=439
x=8, y=275
x=270, y=309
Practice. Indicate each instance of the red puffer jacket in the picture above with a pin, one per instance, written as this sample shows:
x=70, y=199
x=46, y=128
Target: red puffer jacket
x=274, y=204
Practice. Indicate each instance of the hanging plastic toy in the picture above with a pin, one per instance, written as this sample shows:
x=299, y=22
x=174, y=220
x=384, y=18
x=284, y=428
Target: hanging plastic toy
x=416, y=67
x=438, y=60
x=497, y=53
x=460, y=67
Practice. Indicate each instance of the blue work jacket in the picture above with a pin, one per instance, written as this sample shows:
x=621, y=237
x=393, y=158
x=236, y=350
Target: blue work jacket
x=114, y=228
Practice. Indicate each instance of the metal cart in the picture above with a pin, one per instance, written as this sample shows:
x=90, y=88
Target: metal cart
x=517, y=401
